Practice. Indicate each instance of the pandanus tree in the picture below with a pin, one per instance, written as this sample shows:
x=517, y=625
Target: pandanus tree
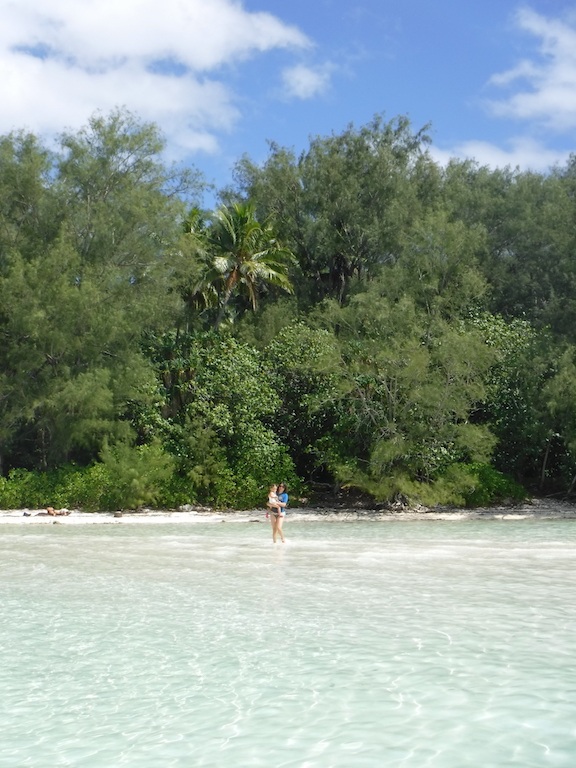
x=239, y=256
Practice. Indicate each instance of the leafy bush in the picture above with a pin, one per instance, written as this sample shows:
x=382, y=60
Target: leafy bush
x=491, y=486
x=464, y=485
x=26, y=489
x=136, y=474
x=68, y=486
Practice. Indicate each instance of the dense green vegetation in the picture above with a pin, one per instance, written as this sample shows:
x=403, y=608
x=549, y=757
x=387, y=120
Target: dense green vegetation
x=355, y=315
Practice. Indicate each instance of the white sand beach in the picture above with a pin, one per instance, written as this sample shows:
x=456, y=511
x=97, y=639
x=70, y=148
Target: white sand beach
x=533, y=509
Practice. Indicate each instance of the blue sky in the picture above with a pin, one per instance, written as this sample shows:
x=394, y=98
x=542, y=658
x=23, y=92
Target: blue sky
x=496, y=79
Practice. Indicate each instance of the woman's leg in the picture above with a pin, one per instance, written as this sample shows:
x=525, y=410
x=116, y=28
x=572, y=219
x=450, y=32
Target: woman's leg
x=274, y=523
x=279, y=527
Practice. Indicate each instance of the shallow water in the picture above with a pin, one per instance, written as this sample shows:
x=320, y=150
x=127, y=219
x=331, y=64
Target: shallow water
x=354, y=645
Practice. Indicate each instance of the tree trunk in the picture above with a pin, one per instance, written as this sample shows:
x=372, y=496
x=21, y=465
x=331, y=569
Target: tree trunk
x=220, y=316
x=544, y=463
x=222, y=310
x=572, y=484
x=231, y=283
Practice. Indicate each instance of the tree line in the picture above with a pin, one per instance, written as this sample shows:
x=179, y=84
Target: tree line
x=356, y=315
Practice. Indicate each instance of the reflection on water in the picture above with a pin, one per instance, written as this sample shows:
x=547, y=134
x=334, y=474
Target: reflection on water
x=407, y=644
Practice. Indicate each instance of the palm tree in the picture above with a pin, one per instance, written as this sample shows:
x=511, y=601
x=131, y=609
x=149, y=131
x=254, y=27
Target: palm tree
x=239, y=255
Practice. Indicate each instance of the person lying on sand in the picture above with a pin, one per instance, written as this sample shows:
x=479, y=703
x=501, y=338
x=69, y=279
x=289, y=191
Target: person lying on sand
x=50, y=512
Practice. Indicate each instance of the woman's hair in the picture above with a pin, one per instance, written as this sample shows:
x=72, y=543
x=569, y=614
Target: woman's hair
x=282, y=485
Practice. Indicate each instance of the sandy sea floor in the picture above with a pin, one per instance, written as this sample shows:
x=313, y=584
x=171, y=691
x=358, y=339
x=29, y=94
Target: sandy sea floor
x=409, y=645
x=533, y=509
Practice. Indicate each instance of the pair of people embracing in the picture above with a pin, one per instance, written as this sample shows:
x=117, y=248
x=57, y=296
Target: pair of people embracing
x=276, y=510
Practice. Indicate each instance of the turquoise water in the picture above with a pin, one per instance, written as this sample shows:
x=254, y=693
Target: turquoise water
x=354, y=645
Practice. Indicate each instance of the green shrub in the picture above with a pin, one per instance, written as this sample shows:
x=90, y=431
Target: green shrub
x=491, y=486
x=82, y=488
x=67, y=486
x=26, y=489
x=463, y=485
x=136, y=474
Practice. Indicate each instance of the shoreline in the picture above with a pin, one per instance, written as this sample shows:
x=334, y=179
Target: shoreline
x=535, y=509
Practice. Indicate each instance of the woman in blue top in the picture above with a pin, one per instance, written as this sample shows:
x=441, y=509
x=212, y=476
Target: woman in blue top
x=278, y=515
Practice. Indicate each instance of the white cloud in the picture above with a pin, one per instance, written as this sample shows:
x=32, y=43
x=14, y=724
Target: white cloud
x=305, y=82
x=541, y=91
x=61, y=61
x=550, y=98
x=523, y=152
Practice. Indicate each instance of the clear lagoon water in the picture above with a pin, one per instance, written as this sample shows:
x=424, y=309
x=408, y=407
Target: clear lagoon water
x=408, y=644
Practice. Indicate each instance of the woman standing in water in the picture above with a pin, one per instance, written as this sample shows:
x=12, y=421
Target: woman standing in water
x=278, y=514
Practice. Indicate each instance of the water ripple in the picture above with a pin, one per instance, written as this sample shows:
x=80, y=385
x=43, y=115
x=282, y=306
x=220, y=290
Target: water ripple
x=409, y=645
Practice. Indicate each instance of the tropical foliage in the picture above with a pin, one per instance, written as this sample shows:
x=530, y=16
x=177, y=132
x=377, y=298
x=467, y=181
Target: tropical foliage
x=356, y=315
x=238, y=255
